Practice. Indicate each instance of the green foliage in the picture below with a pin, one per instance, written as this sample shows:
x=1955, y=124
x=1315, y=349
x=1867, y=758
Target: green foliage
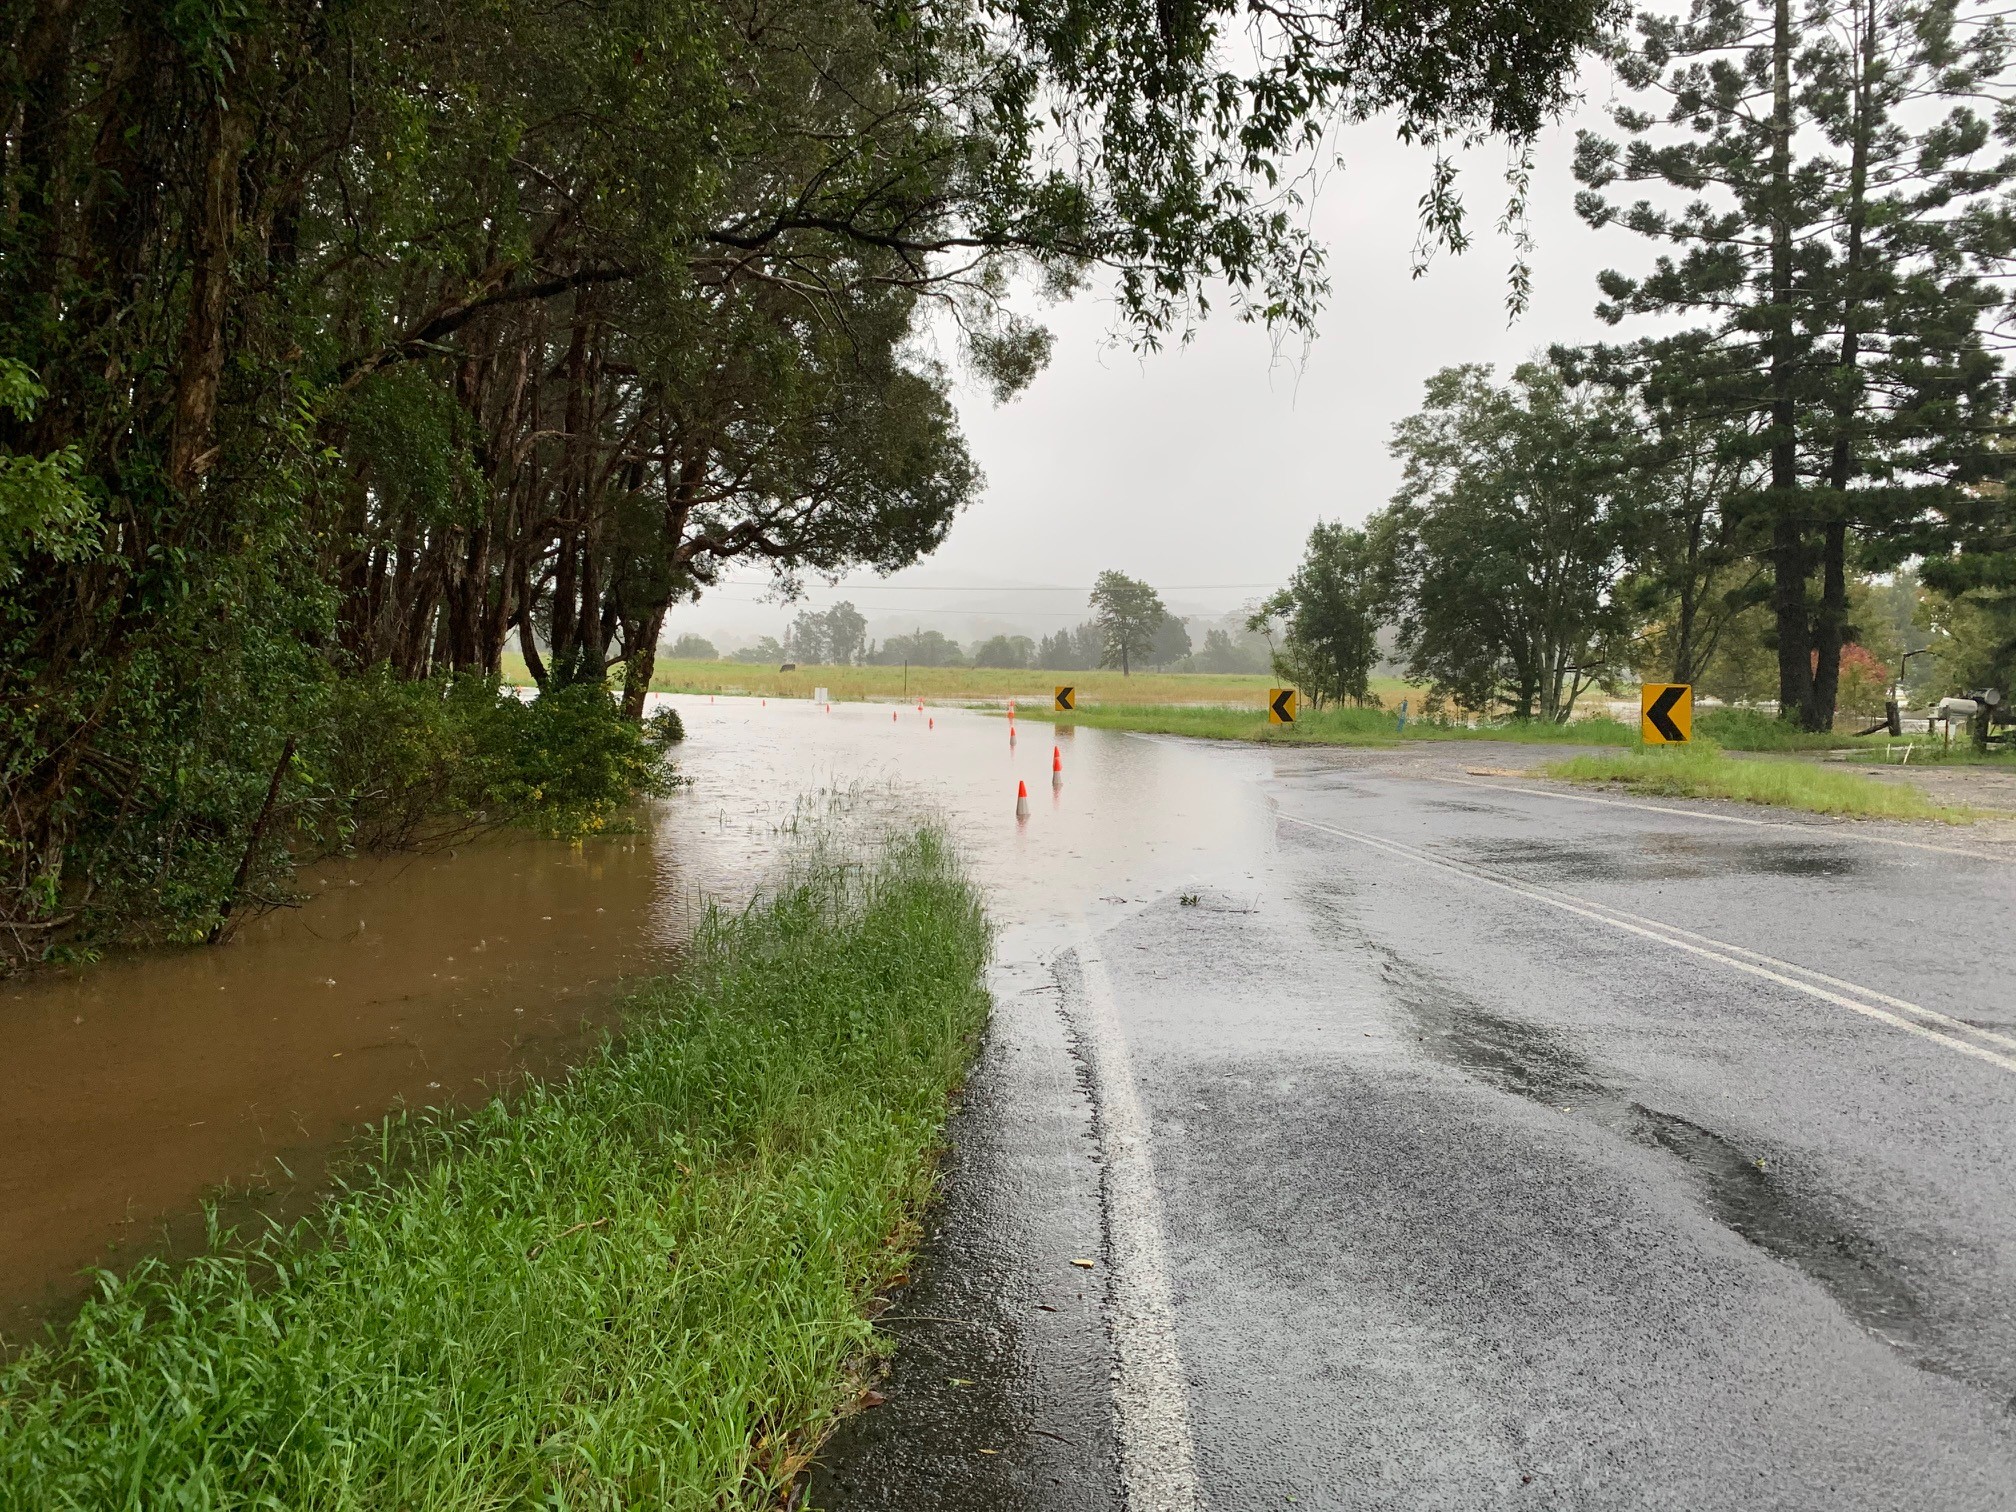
x=1516, y=519
x=44, y=507
x=1331, y=609
x=1004, y=651
x=1078, y=649
x=639, y=1286
x=1171, y=644
x=375, y=334
x=1129, y=615
x=407, y=762
x=693, y=648
x=921, y=648
x=836, y=637
x=1754, y=730
x=1827, y=184
x=1222, y=653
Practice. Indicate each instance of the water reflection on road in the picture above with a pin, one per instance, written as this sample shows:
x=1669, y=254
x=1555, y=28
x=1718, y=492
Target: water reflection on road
x=133, y=1087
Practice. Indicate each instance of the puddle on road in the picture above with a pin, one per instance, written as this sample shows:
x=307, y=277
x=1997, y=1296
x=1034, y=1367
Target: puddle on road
x=134, y=1087
x=1743, y=1192
x=1662, y=857
x=1749, y=1198
x=1454, y=1029
x=1873, y=1286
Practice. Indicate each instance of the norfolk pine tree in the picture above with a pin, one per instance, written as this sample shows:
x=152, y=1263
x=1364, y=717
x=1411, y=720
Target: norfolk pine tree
x=1840, y=230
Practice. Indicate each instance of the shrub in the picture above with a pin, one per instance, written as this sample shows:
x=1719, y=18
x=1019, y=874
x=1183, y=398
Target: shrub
x=406, y=763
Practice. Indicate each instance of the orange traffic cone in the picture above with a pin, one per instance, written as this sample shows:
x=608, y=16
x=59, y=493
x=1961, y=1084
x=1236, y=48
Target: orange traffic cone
x=1021, y=800
x=1056, y=766
x=930, y=724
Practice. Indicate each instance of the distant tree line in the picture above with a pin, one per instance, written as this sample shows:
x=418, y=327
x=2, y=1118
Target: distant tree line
x=838, y=637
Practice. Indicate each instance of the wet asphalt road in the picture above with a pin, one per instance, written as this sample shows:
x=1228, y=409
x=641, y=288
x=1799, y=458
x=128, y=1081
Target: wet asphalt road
x=1497, y=1149
x=1490, y=1204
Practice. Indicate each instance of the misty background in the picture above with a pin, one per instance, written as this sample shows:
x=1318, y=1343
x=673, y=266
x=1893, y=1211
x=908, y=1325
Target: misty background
x=1201, y=467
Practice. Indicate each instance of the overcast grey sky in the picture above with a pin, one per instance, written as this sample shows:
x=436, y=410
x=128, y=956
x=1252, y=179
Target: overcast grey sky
x=1206, y=465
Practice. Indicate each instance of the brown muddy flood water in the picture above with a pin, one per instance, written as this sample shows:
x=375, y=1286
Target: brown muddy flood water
x=134, y=1085
x=132, y=1089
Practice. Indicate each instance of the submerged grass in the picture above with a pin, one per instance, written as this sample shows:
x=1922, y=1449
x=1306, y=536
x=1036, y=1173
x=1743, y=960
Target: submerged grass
x=1702, y=771
x=639, y=1286
x=1332, y=726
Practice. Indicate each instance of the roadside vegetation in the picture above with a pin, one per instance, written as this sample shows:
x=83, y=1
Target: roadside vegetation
x=642, y=1285
x=1702, y=771
x=1736, y=729
x=1697, y=499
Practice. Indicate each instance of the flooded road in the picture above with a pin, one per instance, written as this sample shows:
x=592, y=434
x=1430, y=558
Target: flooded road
x=1356, y=1128
x=136, y=1087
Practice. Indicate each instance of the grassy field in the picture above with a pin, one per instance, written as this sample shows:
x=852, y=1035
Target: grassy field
x=962, y=684
x=638, y=1287
x=1701, y=771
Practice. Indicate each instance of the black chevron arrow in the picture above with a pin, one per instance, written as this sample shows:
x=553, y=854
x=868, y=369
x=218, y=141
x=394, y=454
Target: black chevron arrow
x=1281, y=710
x=1662, y=709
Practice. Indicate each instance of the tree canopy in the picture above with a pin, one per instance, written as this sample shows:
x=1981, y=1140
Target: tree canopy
x=1505, y=546
x=1130, y=618
x=1832, y=186
x=340, y=337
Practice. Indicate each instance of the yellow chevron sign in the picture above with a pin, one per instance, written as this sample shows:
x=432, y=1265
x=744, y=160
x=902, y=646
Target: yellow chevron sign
x=1666, y=713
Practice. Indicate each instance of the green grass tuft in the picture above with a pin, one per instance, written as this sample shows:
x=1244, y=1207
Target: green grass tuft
x=639, y=1286
x=1753, y=730
x=1702, y=771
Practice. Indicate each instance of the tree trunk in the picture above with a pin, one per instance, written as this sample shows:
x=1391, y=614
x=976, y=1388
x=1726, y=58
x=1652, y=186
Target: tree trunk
x=1830, y=629
x=201, y=366
x=1684, y=669
x=1788, y=536
x=640, y=663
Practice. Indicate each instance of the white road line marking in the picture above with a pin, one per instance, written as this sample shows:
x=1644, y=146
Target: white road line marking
x=1658, y=808
x=1157, y=1456
x=1707, y=949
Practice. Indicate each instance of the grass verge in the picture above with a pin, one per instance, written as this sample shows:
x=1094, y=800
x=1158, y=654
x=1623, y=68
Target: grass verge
x=1334, y=726
x=1701, y=771
x=639, y=1286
